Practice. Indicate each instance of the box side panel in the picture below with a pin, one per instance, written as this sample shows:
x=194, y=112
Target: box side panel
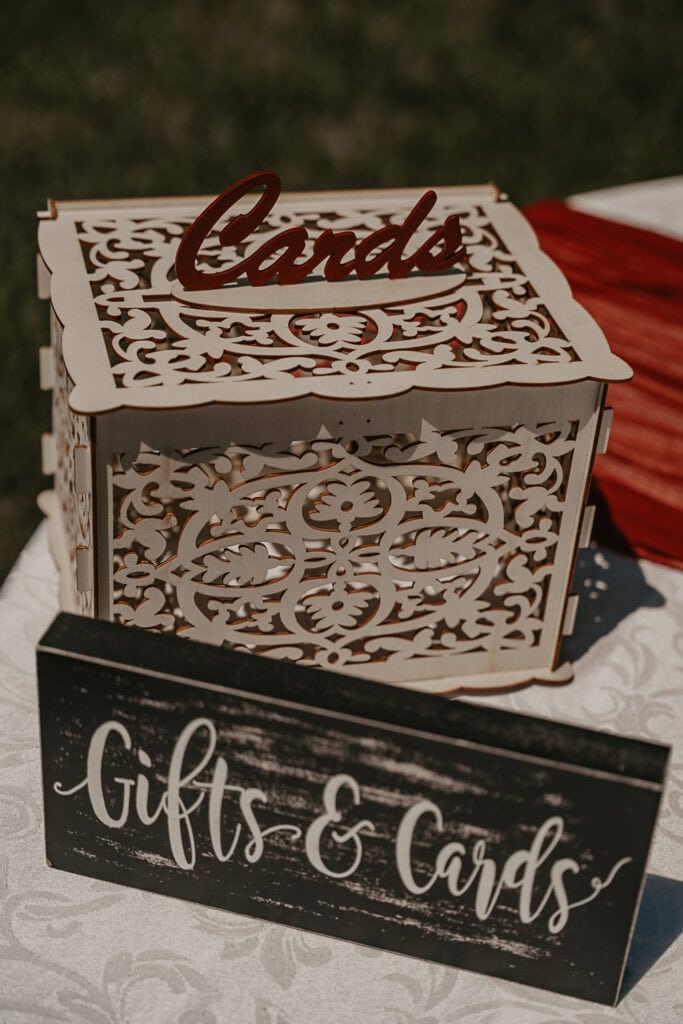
x=578, y=517
x=72, y=486
x=103, y=536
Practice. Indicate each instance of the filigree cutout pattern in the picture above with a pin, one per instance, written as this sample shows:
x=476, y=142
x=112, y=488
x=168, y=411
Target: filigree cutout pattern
x=493, y=318
x=354, y=551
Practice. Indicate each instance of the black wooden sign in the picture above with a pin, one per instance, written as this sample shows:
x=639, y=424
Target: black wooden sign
x=487, y=840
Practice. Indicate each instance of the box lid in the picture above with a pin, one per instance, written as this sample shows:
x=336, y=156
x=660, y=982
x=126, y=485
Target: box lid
x=134, y=338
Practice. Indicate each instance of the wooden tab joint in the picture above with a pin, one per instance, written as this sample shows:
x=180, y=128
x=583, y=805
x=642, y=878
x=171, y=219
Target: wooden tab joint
x=604, y=430
x=48, y=452
x=84, y=570
x=570, y=615
x=46, y=368
x=586, y=529
x=82, y=469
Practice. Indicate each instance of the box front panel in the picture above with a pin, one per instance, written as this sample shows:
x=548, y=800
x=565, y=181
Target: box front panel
x=401, y=556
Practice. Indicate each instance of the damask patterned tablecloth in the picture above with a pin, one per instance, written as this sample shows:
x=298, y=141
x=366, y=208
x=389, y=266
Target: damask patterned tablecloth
x=74, y=949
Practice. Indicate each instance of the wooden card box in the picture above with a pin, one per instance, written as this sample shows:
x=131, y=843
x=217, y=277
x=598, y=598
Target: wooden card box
x=386, y=478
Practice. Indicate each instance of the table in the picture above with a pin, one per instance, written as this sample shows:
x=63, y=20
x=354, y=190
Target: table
x=74, y=949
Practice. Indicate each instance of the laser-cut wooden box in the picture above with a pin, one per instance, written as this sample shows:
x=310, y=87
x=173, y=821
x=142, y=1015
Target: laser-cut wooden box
x=384, y=477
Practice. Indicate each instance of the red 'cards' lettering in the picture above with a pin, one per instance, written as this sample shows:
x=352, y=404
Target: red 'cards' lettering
x=340, y=251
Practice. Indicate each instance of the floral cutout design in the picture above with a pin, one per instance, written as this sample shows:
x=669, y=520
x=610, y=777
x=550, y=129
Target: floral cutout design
x=493, y=317
x=366, y=553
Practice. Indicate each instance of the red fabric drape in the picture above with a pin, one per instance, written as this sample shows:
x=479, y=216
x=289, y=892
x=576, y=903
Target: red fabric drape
x=631, y=281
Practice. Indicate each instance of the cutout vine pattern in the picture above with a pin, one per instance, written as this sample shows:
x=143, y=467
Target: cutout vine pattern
x=494, y=318
x=349, y=551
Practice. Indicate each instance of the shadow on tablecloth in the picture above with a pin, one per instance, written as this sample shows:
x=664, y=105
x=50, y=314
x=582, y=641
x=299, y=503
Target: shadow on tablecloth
x=660, y=922
x=610, y=583
x=610, y=587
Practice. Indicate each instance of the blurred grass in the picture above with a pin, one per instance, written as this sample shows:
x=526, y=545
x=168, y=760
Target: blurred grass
x=100, y=100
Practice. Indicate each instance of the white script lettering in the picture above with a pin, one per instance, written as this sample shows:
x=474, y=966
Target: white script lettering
x=198, y=783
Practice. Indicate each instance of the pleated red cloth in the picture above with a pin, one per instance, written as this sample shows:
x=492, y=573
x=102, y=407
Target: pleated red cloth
x=631, y=281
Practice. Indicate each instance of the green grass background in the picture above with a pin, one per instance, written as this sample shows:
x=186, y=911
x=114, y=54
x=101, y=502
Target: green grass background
x=546, y=97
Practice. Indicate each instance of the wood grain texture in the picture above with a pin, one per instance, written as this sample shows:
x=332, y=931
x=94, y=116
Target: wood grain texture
x=495, y=778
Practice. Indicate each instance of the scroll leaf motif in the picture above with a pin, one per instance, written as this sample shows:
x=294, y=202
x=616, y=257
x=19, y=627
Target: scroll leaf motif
x=243, y=566
x=434, y=548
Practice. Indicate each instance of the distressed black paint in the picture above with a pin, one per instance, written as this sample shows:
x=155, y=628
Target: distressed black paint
x=494, y=776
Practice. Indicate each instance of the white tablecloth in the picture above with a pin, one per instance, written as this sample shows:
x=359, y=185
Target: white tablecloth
x=73, y=949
